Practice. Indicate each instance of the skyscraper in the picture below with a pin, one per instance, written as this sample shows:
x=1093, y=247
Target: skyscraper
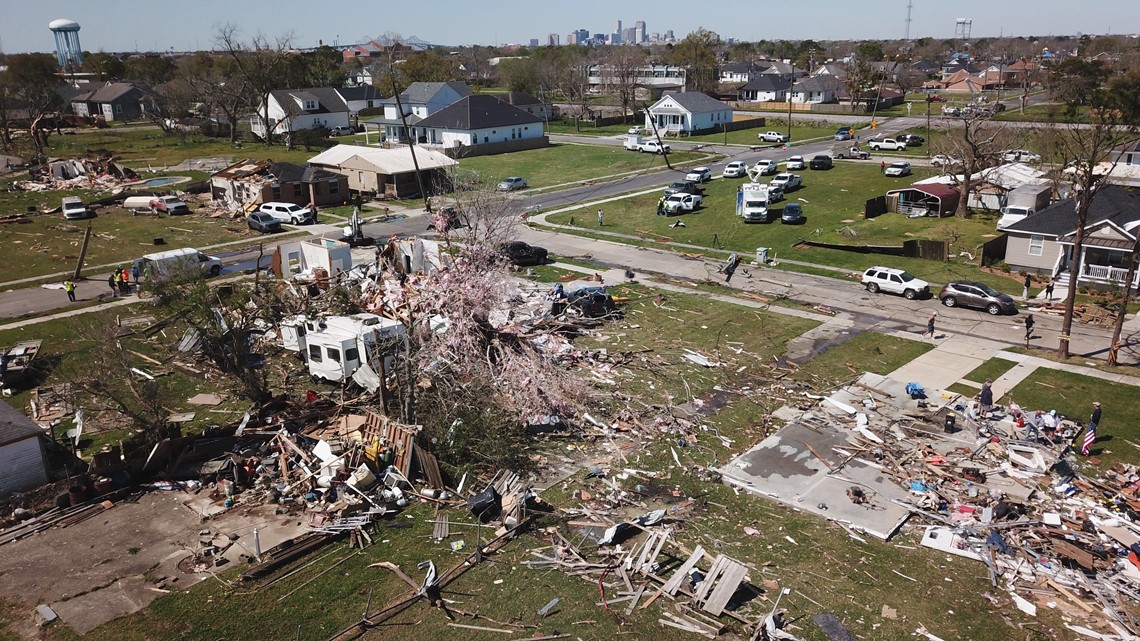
x=639, y=29
x=553, y=40
x=615, y=38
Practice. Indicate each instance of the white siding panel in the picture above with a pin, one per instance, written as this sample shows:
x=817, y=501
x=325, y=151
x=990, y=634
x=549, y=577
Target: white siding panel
x=21, y=466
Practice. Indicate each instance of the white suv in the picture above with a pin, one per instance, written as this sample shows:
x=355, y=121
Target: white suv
x=895, y=281
x=287, y=213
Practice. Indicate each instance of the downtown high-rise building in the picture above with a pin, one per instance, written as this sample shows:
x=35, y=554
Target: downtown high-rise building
x=639, y=32
x=553, y=40
x=616, y=36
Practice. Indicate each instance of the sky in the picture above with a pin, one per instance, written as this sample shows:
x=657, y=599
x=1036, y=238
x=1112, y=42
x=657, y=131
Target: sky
x=187, y=25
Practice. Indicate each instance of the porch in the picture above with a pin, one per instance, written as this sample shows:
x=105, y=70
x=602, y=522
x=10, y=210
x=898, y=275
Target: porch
x=1102, y=263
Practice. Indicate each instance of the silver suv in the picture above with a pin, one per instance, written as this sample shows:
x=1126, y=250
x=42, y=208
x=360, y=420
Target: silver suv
x=895, y=281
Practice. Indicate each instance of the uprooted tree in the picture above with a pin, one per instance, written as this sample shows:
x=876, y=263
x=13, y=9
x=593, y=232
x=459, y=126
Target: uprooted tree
x=472, y=381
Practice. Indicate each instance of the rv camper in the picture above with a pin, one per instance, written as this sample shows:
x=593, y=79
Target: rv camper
x=175, y=262
x=337, y=348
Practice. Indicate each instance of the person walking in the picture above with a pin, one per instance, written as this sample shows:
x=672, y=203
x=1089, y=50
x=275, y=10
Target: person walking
x=113, y=285
x=600, y=218
x=730, y=266
x=930, y=325
x=882, y=166
x=1049, y=288
x=1090, y=431
x=986, y=399
x=1029, y=323
x=1025, y=292
x=69, y=287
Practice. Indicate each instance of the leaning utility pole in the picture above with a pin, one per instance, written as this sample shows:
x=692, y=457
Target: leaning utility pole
x=411, y=142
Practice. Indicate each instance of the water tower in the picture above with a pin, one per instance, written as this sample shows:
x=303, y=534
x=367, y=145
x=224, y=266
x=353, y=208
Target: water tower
x=67, y=49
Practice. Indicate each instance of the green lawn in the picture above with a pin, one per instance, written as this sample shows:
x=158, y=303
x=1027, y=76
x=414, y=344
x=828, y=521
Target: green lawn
x=833, y=204
x=1072, y=396
x=562, y=164
x=142, y=148
x=990, y=370
x=864, y=352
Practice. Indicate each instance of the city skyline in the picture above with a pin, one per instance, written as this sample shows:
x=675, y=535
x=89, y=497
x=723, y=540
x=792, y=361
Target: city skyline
x=118, y=25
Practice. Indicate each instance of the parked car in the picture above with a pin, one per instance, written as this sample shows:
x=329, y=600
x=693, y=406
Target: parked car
x=894, y=281
x=74, y=209
x=854, y=152
x=897, y=169
x=888, y=144
x=843, y=133
x=1020, y=155
x=821, y=161
x=680, y=203
x=911, y=140
x=512, y=183
x=795, y=162
x=951, y=111
x=942, y=160
x=523, y=254
x=793, y=214
x=772, y=136
x=767, y=167
x=263, y=222
x=684, y=187
x=964, y=293
x=699, y=175
x=340, y=130
x=634, y=130
x=735, y=169
x=591, y=302
x=287, y=213
x=933, y=98
x=787, y=182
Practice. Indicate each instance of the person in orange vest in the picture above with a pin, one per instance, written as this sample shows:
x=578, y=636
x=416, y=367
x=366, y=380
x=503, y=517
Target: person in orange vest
x=126, y=277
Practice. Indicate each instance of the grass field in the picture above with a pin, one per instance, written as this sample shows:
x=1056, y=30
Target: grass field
x=826, y=570
x=563, y=164
x=833, y=204
x=140, y=148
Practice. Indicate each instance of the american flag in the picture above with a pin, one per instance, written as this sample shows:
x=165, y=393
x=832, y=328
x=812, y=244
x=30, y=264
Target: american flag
x=1090, y=437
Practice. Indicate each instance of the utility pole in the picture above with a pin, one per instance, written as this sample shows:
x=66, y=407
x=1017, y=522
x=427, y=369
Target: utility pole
x=906, y=35
x=411, y=142
x=791, y=83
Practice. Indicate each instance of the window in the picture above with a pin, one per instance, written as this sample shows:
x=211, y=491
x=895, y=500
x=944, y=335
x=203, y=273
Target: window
x=315, y=353
x=334, y=187
x=298, y=190
x=1036, y=245
x=310, y=105
x=333, y=354
x=351, y=354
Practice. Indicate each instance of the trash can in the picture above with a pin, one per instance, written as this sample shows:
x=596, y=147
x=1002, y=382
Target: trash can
x=762, y=255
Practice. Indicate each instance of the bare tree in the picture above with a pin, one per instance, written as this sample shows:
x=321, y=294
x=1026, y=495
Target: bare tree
x=167, y=102
x=262, y=66
x=621, y=66
x=216, y=82
x=976, y=142
x=1083, y=143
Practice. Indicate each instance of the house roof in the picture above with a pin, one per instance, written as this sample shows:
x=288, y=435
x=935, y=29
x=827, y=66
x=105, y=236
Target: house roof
x=937, y=190
x=817, y=83
x=15, y=425
x=328, y=100
x=422, y=92
x=109, y=92
x=1111, y=203
x=362, y=92
x=1013, y=175
x=767, y=82
x=522, y=99
x=695, y=102
x=777, y=67
x=288, y=172
x=743, y=67
x=397, y=160
x=479, y=112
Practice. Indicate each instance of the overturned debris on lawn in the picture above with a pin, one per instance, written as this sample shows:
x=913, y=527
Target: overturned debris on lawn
x=1001, y=488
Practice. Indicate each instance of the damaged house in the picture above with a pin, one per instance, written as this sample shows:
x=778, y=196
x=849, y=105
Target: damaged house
x=388, y=173
x=252, y=182
x=22, y=463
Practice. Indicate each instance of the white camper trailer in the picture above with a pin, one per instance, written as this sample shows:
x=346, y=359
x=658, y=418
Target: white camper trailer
x=178, y=262
x=337, y=348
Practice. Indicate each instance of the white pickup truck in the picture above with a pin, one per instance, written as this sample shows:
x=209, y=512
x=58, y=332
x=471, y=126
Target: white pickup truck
x=772, y=136
x=787, y=182
x=635, y=143
x=680, y=203
x=890, y=144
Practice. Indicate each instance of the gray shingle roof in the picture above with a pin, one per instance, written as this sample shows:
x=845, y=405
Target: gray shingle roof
x=422, y=92
x=328, y=100
x=1112, y=202
x=817, y=83
x=15, y=425
x=696, y=102
x=363, y=92
x=478, y=112
x=767, y=83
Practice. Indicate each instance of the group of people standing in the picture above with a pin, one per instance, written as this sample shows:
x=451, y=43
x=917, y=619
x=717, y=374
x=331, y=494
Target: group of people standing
x=120, y=280
x=1040, y=421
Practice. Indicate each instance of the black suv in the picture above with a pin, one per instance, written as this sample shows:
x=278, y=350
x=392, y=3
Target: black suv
x=821, y=162
x=684, y=187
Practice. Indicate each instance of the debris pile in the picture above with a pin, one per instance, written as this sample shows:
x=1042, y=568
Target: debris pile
x=103, y=174
x=1001, y=487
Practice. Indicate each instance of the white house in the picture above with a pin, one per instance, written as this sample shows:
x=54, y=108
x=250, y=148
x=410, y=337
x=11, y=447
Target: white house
x=689, y=112
x=735, y=72
x=478, y=120
x=361, y=97
x=816, y=89
x=765, y=88
x=21, y=452
x=293, y=110
x=418, y=101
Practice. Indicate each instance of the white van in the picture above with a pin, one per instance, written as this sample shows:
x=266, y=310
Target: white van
x=172, y=205
x=175, y=261
x=74, y=209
